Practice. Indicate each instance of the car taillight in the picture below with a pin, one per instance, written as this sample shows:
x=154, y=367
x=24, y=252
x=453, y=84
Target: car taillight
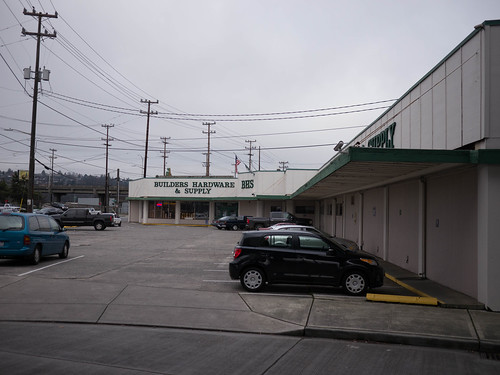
x=27, y=240
x=236, y=252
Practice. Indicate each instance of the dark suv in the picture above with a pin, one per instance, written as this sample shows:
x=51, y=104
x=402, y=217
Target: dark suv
x=301, y=258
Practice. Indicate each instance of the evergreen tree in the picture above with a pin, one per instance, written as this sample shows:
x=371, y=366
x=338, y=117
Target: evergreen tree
x=4, y=191
x=18, y=188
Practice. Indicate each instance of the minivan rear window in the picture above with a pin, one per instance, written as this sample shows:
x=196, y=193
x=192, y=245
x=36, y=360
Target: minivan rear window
x=8, y=222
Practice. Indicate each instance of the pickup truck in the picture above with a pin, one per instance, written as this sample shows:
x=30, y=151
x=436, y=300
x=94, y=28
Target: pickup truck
x=231, y=222
x=81, y=217
x=274, y=218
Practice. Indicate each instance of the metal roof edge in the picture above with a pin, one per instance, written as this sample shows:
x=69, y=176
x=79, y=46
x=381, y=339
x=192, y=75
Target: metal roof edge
x=367, y=154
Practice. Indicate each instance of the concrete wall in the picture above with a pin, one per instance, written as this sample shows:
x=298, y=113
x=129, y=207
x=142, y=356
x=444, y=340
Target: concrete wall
x=451, y=230
x=442, y=111
x=488, y=219
x=403, y=225
x=352, y=217
x=373, y=221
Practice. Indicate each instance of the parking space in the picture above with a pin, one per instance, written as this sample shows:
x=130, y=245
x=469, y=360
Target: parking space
x=180, y=257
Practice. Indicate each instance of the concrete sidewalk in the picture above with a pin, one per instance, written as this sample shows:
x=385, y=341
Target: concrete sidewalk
x=311, y=315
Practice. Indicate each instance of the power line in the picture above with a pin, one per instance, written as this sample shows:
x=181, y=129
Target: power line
x=272, y=118
x=237, y=117
x=284, y=113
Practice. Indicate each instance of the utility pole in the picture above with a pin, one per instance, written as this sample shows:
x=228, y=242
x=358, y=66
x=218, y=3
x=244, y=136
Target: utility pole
x=149, y=112
x=250, y=153
x=283, y=166
x=39, y=35
x=207, y=163
x=51, y=179
x=118, y=190
x=106, y=185
x=165, y=152
x=259, y=158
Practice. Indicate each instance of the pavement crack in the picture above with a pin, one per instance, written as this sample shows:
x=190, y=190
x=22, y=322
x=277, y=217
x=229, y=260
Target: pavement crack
x=309, y=313
x=109, y=304
x=283, y=355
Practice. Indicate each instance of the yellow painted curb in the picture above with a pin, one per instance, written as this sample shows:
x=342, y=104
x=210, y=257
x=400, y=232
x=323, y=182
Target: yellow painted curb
x=406, y=286
x=402, y=299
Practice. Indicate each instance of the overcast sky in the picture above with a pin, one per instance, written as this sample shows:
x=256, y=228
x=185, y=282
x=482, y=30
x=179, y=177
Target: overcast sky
x=296, y=77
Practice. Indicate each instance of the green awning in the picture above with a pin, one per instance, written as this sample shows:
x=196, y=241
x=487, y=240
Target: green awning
x=361, y=168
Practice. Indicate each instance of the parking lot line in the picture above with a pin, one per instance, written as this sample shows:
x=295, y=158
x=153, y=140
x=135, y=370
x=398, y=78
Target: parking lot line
x=51, y=265
x=220, y=281
x=214, y=270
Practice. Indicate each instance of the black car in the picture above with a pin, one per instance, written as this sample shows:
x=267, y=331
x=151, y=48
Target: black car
x=301, y=258
x=231, y=222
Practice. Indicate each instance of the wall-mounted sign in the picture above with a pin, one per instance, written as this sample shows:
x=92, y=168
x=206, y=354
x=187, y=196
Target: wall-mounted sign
x=195, y=187
x=247, y=184
x=384, y=139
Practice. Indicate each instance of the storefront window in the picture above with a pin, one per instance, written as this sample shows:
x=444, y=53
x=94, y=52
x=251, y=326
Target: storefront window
x=304, y=209
x=226, y=209
x=161, y=210
x=194, y=210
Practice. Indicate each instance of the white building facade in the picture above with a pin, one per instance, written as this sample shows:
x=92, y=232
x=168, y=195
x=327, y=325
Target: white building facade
x=419, y=187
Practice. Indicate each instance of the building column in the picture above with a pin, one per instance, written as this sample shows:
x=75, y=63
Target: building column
x=334, y=216
x=145, y=211
x=488, y=235
x=211, y=211
x=260, y=209
x=177, y=212
x=361, y=219
x=344, y=210
x=317, y=216
x=385, y=219
x=422, y=224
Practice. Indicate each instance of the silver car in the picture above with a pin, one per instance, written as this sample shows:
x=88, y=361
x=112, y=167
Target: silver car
x=345, y=243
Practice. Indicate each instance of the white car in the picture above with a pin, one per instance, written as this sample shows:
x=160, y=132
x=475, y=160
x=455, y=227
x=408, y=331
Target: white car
x=347, y=244
x=117, y=220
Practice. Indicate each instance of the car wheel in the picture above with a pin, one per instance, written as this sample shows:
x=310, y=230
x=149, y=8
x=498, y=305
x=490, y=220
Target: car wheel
x=253, y=279
x=99, y=225
x=354, y=283
x=235, y=227
x=65, y=250
x=37, y=254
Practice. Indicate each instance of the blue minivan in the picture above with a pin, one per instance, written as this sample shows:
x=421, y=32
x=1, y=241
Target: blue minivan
x=31, y=236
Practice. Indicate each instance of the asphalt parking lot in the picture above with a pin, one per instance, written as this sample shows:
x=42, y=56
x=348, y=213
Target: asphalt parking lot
x=149, y=298
x=178, y=257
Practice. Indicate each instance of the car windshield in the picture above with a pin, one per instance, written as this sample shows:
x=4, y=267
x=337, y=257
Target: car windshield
x=8, y=222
